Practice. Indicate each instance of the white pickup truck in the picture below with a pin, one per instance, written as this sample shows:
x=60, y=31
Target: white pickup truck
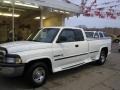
x=52, y=49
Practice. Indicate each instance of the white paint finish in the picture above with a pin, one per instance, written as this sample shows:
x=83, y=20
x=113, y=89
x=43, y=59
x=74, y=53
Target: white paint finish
x=21, y=46
x=97, y=45
x=29, y=51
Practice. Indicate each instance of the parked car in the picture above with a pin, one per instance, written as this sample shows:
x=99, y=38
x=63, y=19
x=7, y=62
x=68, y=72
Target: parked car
x=118, y=38
x=115, y=39
x=51, y=50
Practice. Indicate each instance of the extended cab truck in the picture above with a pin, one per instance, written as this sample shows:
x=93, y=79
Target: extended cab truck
x=51, y=50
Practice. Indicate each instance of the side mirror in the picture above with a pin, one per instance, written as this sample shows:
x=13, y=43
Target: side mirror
x=61, y=39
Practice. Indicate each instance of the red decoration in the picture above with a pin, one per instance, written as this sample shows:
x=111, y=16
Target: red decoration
x=97, y=13
x=102, y=12
x=109, y=14
x=113, y=17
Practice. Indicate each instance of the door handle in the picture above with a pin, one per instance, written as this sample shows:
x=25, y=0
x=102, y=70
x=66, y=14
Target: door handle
x=76, y=45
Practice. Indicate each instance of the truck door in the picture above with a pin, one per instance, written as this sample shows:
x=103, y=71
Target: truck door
x=81, y=46
x=66, y=46
x=73, y=48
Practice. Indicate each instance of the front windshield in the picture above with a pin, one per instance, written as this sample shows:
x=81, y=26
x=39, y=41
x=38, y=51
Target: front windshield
x=46, y=35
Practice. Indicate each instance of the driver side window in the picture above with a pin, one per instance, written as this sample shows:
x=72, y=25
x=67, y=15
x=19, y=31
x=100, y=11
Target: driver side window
x=67, y=35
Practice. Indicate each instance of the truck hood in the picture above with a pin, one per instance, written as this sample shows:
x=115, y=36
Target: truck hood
x=20, y=46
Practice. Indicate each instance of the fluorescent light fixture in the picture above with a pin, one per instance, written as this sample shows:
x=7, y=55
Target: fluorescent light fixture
x=26, y=5
x=6, y=1
x=43, y=17
x=9, y=14
x=67, y=12
x=20, y=4
x=56, y=10
x=37, y=18
x=61, y=11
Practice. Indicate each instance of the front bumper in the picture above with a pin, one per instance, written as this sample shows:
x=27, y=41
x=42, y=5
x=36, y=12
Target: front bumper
x=11, y=70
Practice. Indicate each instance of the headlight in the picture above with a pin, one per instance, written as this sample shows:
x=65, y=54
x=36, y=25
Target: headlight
x=13, y=60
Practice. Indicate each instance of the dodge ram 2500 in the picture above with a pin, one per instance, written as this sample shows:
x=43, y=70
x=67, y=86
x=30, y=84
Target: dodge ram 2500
x=51, y=50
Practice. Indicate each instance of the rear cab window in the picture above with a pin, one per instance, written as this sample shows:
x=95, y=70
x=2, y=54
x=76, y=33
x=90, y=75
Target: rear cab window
x=89, y=34
x=101, y=34
x=96, y=35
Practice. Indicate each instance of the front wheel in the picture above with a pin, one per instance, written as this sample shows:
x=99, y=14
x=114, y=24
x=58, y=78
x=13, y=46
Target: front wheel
x=118, y=50
x=117, y=41
x=37, y=74
x=102, y=58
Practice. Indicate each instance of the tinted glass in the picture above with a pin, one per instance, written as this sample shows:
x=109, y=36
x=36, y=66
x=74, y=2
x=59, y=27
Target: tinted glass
x=89, y=34
x=68, y=35
x=101, y=35
x=46, y=35
x=79, y=35
x=96, y=35
x=106, y=35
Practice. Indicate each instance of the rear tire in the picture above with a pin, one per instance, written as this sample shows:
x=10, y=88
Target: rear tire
x=102, y=58
x=36, y=75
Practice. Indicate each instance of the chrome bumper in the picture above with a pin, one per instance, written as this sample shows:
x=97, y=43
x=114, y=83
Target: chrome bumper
x=11, y=70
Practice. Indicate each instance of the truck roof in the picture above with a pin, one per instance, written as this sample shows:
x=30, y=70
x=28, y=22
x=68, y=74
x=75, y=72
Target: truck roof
x=64, y=27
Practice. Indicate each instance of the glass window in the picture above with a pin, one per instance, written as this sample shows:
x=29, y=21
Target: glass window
x=106, y=35
x=101, y=35
x=96, y=35
x=46, y=35
x=89, y=34
x=79, y=35
x=67, y=35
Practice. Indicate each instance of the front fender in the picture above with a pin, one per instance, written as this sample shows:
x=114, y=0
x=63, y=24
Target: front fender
x=28, y=56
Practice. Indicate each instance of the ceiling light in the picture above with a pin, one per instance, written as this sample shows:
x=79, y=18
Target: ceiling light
x=55, y=10
x=43, y=17
x=9, y=14
x=67, y=12
x=26, y=5
x=37, y=18
x=21, y=4
x=61, y=11
x=6, y=1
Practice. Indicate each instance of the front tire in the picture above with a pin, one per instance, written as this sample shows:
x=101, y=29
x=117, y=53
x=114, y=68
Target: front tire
x=102, y=58
x=37, y=74
x=118, y=50
x=117, y=41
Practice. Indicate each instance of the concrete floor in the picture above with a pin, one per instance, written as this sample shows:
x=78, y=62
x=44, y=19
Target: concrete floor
x=87, y=77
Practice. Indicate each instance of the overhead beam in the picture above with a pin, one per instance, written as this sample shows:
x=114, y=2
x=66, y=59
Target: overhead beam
x=56, y=4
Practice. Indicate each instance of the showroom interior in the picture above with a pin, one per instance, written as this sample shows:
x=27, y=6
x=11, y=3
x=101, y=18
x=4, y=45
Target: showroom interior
x=19, y=19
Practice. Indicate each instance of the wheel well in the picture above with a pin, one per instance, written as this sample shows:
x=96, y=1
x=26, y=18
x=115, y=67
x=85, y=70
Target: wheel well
x=106, y=50
x=46, y=61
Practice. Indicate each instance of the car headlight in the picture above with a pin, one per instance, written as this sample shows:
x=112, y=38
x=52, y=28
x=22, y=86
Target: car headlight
x=13, y=60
